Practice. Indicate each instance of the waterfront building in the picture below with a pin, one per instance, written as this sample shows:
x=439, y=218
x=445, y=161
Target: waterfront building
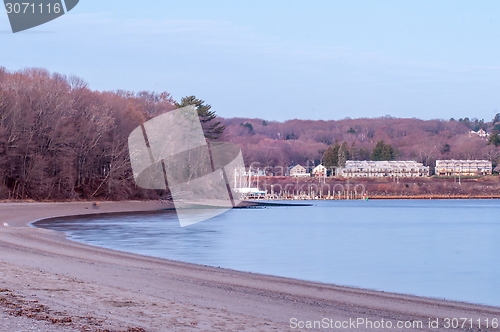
x=463, y=167
x=366, y=168
x=319, y=171
x=299, y=171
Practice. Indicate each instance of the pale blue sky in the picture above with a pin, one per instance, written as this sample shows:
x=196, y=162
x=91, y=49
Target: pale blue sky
x=281, y=59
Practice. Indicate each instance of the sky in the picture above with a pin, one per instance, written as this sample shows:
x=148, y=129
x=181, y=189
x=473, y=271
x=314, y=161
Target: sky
x=278, y=59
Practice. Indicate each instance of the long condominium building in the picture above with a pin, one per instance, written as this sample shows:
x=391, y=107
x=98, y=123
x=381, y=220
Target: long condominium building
x=463, y=167
x=367, y=168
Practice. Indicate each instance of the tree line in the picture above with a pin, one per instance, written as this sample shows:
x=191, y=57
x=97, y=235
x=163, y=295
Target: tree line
x=306, y=142
x=336, y=155
x=61, y=140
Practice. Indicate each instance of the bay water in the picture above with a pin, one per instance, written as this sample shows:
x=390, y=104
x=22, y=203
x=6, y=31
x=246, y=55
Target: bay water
x=434, y=248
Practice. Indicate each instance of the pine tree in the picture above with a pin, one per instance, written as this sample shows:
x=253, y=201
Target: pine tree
x=342, y=157
x=382, y=151
x=331, y=156
x=496, y=118
x=343, y=154
x=212, y=128
x=494, y=138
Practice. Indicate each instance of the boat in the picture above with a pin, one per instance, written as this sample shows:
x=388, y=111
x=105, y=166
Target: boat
x=243, y=185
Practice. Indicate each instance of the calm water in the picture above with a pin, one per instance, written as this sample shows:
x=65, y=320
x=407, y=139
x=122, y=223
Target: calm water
x=437, y=248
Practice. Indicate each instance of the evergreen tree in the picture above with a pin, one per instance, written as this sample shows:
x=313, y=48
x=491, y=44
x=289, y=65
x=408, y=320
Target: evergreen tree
x=382, y=151
x=331, y=156
x=353, y=152
x=465, y=121
x=496, y=118
x=363, y=154
x=494, y=139
x=212, y=128
x=343, y=154
x=445, y=148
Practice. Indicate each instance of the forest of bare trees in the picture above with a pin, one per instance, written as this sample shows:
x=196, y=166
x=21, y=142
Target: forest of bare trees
x=61, y=140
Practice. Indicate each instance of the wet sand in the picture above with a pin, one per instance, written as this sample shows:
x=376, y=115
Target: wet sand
x=47, y=280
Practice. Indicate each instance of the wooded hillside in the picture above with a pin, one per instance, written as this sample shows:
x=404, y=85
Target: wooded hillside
x=305, y=142
x=61, y=140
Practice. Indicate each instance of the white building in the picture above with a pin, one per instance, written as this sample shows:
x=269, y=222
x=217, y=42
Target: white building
x=383, y=169
x=463, y=167
x=299, y=171
x=319, y=171
x=481, y=133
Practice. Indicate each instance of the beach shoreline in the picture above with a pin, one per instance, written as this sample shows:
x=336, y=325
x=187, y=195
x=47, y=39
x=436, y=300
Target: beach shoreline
x=87, y=288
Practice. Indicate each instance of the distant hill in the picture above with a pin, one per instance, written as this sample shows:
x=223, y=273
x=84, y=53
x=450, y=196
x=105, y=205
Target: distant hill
x=304, y=142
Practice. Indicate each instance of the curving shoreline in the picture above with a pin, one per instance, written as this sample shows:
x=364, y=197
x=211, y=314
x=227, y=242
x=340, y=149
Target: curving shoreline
x=96, y=288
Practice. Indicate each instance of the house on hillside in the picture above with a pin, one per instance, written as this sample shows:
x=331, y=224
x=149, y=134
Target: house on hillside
x=298, y=171
x=481, y=133
x=319, y=171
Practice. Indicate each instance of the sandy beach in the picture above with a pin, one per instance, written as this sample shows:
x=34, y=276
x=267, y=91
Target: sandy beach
x=49, y=283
